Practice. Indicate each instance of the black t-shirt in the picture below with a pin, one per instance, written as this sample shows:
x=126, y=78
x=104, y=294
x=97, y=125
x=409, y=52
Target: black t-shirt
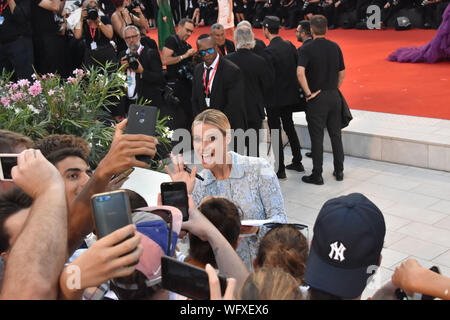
x=322, y=60
x=179, y=48
x=15, y=24
x=99, y=36
x=43, y=20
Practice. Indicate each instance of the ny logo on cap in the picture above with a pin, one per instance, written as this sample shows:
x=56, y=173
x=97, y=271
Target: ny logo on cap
x=337, y=251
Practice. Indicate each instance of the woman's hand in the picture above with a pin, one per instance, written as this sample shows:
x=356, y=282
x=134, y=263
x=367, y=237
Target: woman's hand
x=165, y=19
x=214, y=285
x=179, y=174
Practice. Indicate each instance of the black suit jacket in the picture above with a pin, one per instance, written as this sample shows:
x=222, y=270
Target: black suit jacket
x=227, y=94
x=229, y=45
x=259, y=46
x=149, y=84
x=282, y=56
x=258, y=79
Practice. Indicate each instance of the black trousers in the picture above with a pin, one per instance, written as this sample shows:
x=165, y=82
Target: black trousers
x=17, y=55
x=324, y=111
x=49, y=54
x=274, y=115
x=361, y=8
x=253, y=151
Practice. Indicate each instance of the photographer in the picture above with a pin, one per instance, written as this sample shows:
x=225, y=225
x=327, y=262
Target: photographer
x=208, y=12
x=177, y=56
x=128, y=12
x=287, y=13
x=144, y=70
x=16, y=46
x=97, y=32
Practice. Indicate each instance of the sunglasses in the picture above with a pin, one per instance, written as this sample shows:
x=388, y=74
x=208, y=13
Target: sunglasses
x=203, y=52
x=301, y=227
x=166, y=215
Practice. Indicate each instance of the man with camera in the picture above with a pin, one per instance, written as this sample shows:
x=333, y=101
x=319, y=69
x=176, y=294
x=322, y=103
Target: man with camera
x=97, y=32
x=143, y=69
x=177, y=56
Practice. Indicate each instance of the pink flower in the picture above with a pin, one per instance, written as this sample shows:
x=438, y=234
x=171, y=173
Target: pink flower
x=35, y=89
x=71, y=80
x=4, y=101
x=15, y=86
x=44, y=76
x=57, y=115
x=50, y=75
x=17, y=96
x=78, y=72
x=23, y=82
x=51, y=92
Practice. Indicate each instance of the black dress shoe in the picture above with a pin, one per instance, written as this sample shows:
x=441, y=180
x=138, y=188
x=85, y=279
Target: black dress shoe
x=339, y=175
x=281, y=175
x=308, y=154
x=296, y=167
x=313, y=179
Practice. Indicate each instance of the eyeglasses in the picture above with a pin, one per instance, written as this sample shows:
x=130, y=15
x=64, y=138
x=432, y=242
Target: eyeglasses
x=302, y=227
x=131, y=37
x=209, y=51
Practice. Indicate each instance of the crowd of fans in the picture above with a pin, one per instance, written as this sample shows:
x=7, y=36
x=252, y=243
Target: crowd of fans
x=49, y=250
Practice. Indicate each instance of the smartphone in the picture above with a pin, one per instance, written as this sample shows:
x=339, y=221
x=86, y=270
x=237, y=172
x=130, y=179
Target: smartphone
x=111, y=211
x=123, y=175
x=142, y=120
x=187, y=280
x=7, y=162
x=175, y=194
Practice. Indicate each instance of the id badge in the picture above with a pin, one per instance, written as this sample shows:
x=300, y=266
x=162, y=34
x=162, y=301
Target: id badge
x=208, y=102
x=2, y=19
x=93, y=45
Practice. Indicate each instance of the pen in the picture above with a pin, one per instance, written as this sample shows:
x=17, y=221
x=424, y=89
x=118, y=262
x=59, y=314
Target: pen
x=188, y=170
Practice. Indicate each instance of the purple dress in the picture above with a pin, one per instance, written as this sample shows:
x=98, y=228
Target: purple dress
x=438, y=49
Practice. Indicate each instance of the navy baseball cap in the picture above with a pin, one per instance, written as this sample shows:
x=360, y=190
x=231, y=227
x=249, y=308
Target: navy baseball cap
x=348, y=239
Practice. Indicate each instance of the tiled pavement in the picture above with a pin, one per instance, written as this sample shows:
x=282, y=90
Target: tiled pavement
x=415, y=203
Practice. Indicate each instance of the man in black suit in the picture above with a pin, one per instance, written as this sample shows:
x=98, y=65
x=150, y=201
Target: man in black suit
x=218, y=34
x=304, y=36
x=258, y=79
x=282, y=56
x=144, y=75
x=321, y=71
x=218, y=83
x=259, y=44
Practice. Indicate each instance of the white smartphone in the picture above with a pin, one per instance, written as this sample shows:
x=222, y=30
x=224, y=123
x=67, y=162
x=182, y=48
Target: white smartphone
x=7, y=162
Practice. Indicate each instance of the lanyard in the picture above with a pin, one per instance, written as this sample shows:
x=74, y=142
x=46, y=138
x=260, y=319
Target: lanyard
x=224, y=49
x=3, y=7
x=211, y=77
x=92, y=31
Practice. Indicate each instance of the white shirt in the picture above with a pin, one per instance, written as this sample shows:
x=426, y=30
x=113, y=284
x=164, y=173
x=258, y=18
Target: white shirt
x=211, y=74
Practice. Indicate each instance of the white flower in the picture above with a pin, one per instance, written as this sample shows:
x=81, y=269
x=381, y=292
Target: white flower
x=168, y=133
x=32, y=108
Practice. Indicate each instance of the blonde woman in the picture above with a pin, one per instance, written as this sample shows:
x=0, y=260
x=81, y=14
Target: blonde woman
x=249, y=182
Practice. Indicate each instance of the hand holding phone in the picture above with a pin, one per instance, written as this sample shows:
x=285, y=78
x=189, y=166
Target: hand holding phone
x=187, y=280
x=142, y=120
x=7, y=162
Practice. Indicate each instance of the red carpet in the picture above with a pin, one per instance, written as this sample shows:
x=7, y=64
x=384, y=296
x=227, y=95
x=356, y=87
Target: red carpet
x=375, y=84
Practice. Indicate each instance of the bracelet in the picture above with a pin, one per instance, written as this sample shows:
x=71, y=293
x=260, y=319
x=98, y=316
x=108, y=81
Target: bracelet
x=181, y=58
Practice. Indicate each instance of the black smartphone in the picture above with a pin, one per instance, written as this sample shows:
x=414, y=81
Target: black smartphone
x=187, y=280
x=7, y=162
x=111, y=211
x=142, y=120
x=175, y=194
